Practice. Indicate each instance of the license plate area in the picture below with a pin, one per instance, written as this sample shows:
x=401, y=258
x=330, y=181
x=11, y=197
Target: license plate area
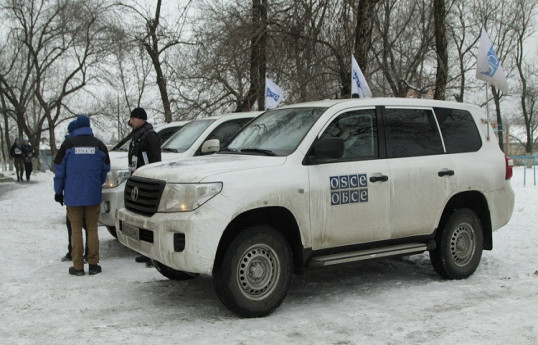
x=130, y=231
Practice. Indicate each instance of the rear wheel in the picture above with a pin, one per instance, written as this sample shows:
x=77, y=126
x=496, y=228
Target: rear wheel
x=253, y=278
x=112, y=230
x=171, y=273
x=459, y=245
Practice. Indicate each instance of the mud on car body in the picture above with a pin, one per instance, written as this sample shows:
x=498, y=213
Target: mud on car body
x=319, y=184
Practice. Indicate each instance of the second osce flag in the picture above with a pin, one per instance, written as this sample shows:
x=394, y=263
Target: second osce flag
x=358, y=82
x=273, y=94
x=488, y=65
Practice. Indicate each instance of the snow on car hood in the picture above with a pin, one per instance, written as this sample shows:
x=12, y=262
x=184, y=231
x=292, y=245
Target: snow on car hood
x=196, y=169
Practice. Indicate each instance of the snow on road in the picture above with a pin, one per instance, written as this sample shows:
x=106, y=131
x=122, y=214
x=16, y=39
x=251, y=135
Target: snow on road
x=394, y=301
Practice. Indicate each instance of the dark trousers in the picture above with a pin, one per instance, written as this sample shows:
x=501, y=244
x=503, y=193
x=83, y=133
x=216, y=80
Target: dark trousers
x=70, y=232
x=28, y=167
x=19, y=167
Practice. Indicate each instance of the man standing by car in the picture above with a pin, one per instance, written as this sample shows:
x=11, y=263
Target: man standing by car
x=80, y=169
x=145, y=148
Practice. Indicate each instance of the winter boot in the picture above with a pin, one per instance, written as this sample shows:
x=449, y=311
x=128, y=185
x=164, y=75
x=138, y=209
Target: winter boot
x=94, y=269
x=75, y=272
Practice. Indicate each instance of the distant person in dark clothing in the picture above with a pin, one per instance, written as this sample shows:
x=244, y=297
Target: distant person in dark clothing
x=145, y=148
x=80, y=169
x=28, y=153
x=18, y=158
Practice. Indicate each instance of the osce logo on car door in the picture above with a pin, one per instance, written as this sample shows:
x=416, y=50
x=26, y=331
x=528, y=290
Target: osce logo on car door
x=348, y=189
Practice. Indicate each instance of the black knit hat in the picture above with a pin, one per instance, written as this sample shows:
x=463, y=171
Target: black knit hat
x=139, y=113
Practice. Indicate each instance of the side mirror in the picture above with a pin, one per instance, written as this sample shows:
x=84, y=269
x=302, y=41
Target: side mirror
x=327, y=149
x=210, y=146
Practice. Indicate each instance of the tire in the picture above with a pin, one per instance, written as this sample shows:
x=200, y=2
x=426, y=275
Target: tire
x=112, y=230
x=459, y=245
x=171, y=273
x=254, y=275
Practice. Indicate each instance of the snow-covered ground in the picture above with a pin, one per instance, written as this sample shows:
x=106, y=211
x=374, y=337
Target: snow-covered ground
x=395, y=301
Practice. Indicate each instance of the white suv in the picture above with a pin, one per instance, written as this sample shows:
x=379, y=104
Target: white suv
x=193, y=138
x=323, y=183
x=119, y=172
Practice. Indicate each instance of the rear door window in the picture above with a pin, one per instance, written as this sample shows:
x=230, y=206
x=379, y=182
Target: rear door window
x=411, y=132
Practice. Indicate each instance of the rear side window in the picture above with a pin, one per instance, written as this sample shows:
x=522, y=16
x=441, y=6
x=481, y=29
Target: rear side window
x=458, y=129
x=411, y=132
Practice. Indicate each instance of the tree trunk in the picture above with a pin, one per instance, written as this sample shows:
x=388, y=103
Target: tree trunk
x=441, y=77
x=258, y=62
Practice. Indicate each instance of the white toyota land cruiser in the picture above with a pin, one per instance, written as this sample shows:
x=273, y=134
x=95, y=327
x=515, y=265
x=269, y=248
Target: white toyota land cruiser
x=319, y=184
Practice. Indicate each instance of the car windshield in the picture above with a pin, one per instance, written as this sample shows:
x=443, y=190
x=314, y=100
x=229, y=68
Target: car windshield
x=183, y=139
x=277, y=132
x=124, y=146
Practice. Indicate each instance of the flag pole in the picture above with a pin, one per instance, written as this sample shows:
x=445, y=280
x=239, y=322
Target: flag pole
x=487, y=113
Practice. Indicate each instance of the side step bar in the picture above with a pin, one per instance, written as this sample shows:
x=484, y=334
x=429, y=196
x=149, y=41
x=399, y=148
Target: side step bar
x=367, y=254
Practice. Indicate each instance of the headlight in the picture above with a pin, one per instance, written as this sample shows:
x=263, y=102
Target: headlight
x=181, y=197
x=116, y=177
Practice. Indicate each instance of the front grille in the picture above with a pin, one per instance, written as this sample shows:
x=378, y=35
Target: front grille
x=142, y=195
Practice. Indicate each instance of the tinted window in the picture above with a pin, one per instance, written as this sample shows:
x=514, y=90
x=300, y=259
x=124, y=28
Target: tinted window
x=227, y=130
x=167, y=133
x=183, y=139
x=458, y=129
x=358, y=129
x=411, y=132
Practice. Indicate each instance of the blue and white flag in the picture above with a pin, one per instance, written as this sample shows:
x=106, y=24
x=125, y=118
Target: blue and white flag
x=358, y=82
x=273, y=94
x=488, y=66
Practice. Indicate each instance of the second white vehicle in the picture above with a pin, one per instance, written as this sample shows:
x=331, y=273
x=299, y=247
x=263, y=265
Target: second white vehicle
x=194, y=138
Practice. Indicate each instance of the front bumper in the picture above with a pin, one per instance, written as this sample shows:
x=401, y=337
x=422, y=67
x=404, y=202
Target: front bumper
x=202, y=232
x=111, y=204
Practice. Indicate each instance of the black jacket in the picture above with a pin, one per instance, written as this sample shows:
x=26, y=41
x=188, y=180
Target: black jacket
x=145, y=146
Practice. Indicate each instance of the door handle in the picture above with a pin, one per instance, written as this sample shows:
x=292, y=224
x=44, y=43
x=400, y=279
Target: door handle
x=382, y=178
x=445, y=173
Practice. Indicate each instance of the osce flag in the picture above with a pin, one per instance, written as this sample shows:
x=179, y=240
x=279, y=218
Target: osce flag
x=273, y=94
x=488, y=66
x=358, y=82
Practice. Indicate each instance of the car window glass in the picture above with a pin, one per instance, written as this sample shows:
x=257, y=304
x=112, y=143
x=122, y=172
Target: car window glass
x=411, y=132
x=225, y=131
x=458, y=129
x=183, y=139
x=358, y=129
x=278, y=131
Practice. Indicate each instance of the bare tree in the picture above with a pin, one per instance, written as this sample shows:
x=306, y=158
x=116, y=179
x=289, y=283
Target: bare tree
x=523, y=27
x=157, y=39
x=441, y=48
x=404, y=54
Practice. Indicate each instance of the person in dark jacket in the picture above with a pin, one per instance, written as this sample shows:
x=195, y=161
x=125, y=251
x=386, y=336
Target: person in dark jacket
x=17, y=153
x=145, y=148
x=80, y=169
x=28, y=153
x=68, y=256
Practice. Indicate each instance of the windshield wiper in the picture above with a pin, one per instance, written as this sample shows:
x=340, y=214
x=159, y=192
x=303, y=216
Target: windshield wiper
x=228, y=149
x=168, y=149
x=266, y=152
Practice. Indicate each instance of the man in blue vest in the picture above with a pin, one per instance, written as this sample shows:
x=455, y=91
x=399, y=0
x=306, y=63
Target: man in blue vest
x=80, y=169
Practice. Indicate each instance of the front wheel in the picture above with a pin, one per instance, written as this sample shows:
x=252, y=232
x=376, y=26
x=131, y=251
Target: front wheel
x=254, y=275
x=171, y=273
x=459, y=245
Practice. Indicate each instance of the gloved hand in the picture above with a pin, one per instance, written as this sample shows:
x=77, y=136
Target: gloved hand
x=59, y=198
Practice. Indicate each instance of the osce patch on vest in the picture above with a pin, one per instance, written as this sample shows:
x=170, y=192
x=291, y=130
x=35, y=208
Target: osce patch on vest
x=84, y=150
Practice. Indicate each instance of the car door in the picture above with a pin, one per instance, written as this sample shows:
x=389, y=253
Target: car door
x=350, y=197
x=421, y=174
